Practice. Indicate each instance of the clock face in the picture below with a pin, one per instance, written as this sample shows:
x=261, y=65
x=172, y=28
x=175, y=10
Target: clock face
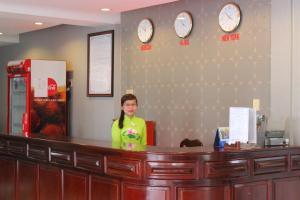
x=145, y=30
x=230, y=17
x=183, y=24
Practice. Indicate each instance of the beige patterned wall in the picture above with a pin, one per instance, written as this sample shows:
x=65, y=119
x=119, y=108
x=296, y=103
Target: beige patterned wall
x=188, y=90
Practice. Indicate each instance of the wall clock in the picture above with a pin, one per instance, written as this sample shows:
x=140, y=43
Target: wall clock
x=183, y=24
x=230, y=17
x=145, y=30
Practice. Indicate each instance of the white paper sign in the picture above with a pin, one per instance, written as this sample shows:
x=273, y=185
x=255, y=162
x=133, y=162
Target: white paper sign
x=242, y=125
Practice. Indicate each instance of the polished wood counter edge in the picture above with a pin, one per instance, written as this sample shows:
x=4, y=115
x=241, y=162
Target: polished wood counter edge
x=147, y=172
x=141, y=148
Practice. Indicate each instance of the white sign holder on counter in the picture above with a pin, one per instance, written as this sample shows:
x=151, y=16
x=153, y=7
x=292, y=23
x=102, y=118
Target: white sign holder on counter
x=242, y=125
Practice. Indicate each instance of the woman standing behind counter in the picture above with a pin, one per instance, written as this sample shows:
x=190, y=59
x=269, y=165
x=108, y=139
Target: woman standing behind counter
x=128, y=128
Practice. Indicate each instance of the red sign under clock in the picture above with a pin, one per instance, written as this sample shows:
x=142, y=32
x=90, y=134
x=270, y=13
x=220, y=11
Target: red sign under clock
x=184, y=42
x=230, y=37
x=146, y=47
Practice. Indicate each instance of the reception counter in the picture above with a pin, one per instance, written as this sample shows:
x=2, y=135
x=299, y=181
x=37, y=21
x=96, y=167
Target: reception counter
x=69, y=168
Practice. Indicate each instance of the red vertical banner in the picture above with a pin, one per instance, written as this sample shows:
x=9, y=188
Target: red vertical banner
x=25, y=124
x=28, y=102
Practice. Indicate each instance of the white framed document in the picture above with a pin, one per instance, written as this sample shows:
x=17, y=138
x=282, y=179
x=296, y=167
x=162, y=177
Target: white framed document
x=100, y=73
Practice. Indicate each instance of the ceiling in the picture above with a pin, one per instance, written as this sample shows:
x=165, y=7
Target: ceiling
x=19, y=16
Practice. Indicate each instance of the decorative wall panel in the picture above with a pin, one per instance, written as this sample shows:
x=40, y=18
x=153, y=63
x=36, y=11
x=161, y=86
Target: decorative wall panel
x=188, y=90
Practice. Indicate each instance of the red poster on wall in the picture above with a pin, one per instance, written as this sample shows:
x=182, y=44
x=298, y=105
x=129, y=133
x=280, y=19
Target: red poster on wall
x=37, y=97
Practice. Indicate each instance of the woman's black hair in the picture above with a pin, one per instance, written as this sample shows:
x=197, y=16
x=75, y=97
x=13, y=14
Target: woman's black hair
x=124, y=98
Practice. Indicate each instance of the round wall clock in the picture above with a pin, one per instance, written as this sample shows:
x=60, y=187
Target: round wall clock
x=145, y=30
x=183, y=24
x=230, y=17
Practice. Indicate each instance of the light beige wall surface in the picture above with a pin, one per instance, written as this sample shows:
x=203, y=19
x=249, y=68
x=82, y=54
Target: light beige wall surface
x=91, y=117
x=295, y=69
x=285, y=69
x=281, y=54
x=188, y=90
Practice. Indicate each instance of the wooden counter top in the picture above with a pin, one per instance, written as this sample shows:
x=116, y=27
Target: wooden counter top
x=101, y=144
x=113, y=171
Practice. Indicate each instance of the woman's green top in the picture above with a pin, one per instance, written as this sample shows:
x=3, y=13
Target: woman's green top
x=133, y=131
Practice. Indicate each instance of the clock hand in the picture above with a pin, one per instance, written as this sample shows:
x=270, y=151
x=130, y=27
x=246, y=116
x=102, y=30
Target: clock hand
x=183, y=24
x=228, y=16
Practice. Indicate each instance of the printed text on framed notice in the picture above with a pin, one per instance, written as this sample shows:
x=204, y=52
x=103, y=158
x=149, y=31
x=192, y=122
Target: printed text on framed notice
x=100, y=74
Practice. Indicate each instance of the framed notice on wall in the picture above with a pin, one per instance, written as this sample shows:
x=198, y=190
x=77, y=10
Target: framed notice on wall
x=100, y=71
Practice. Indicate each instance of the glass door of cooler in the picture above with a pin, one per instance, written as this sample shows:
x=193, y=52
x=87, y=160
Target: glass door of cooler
x=17, y=104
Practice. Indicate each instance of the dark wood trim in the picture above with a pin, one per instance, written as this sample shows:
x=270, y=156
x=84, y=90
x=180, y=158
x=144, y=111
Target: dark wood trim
x=70, y=167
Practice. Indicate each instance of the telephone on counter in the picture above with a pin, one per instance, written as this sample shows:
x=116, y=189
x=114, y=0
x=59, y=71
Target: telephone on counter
x=275, y=138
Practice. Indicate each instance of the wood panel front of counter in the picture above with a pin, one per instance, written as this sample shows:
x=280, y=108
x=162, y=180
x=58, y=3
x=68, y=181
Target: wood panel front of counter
x=41, y=169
